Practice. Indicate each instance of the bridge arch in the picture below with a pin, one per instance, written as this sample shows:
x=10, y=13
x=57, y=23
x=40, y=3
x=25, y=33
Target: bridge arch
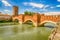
x=29, y=20
x=16, y=20
x=42, y=23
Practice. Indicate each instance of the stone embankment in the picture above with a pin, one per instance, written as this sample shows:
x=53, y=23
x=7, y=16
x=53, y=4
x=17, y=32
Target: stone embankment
x=55, y=34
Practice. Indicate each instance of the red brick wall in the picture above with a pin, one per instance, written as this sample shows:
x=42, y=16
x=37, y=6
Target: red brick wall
x=38, y=18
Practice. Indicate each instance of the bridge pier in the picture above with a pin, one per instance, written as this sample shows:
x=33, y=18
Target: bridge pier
x=36, y=24
x=20, y=22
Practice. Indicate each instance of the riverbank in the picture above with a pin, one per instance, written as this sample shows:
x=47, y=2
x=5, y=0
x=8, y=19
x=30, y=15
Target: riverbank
x=8, y=23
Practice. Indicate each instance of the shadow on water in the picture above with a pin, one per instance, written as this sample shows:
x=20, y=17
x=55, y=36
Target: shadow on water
x=1, y=31
x=49, y=26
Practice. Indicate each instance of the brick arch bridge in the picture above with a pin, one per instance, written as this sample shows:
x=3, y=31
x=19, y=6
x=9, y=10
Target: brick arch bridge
x=37, y=19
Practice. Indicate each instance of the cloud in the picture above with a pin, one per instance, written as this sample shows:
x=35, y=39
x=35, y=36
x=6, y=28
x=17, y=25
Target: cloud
x=6, y=10
x=46, y=6
x=41, y=7
x=51, y=7
x=34, y=4
x=52, y=13
x=57, y=5
x=25, y=3
x=58, y=0
x=5, y=3
x=28, y=9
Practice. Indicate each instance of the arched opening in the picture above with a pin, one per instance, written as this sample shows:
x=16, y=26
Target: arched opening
x=28, y=22
x=16, y=20
x=48, y=24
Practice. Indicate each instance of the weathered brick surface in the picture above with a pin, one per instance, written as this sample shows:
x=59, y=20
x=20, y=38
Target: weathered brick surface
x=38, y=18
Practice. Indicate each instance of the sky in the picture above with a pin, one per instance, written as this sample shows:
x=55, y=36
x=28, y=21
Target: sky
x=30, y=5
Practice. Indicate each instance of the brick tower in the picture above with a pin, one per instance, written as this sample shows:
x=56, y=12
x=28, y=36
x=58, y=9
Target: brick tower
x=15, y=11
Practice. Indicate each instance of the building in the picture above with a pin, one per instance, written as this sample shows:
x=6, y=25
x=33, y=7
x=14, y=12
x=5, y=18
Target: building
x=15, y=11
x=5, y=17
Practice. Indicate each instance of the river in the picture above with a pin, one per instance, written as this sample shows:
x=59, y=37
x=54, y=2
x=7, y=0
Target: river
x=24, y=32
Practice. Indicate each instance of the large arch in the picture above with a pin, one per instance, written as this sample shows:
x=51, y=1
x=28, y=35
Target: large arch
x=29, y=20
x=47, y=22
x=17, y=20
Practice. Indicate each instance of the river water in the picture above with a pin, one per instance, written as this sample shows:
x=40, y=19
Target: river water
x=24, y=32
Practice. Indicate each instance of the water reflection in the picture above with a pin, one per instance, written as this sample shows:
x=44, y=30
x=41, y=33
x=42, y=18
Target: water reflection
x=15, y=29
x=50, y=25
x=1, y=31
x=24, y=32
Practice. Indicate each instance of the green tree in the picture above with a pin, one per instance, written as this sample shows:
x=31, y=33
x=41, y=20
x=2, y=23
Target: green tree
x=28, y=13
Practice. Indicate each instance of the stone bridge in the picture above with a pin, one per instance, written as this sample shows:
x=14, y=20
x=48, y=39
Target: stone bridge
x=37, y=19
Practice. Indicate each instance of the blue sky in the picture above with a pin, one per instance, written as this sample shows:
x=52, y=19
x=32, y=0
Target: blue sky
x=30, y=5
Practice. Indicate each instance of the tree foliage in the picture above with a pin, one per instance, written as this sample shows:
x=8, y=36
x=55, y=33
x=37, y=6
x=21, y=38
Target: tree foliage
x=28, y=13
